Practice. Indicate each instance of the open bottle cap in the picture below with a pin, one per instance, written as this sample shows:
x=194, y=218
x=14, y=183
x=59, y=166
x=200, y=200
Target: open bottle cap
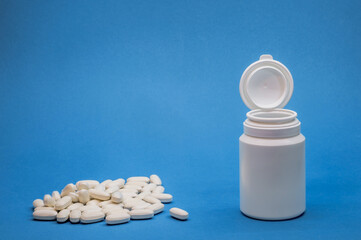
x=266, y=84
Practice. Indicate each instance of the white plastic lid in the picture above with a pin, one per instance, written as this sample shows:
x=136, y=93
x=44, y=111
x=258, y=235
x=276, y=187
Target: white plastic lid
x=266, y=84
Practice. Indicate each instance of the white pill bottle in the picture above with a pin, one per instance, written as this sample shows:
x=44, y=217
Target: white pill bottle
x=272, y=149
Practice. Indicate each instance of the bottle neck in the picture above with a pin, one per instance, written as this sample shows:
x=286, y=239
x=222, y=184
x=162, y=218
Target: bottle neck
x=278, y=123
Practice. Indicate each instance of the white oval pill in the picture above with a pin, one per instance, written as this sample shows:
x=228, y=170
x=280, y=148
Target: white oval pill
x=84, y=196
x=163, y=197
x=38, y=203
x=113, y=205
x=89, y=208
x=43, y=208
x=92, y=216
x=103, y=203
x=159, y=189
x=117, y=218
x=68, y=188
x=128, y=194
x=156, y=208
x=63, y=215
x=56, y=195
x=75, y=216
x=45, y=214
x=49, y=201
x=150, y=187
x=138, y=179
x=100, y=187
x=117, y=197
x=74, y=197
x=155, y=179
x=113, y=184
x=75, y=206
x=141, y=184
x=128, y=191
x=109, y=209
x=104, y=183
x=112, y=189
x=62, y=203
x=93, y=202
x=131, y=202
x=137, y=188
x=120, y=182
x=83, y=185
x=141, y=205
x=143, y=194
x=151, y=199
x=179, y=213
x=116, y=210
x=91, y=183
x=141, y=214
x=100, y=195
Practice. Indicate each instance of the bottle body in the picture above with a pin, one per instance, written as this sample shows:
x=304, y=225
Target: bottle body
x=272, y=177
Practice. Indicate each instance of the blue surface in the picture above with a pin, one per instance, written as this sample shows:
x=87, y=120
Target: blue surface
x=100, y=90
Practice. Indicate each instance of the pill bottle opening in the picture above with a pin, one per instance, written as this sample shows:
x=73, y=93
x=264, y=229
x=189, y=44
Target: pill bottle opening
x=273, y=116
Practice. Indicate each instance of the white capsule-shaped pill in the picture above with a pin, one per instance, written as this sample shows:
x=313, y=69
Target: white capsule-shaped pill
x=68, y=189
x=156, y=208
x=128, y=191
x=43, y=208
x=131, y=202
x=151, y=200
x=117, y=218
x=141, y=184
x=141, y=214
x=83, y=185
x=84, y=196
x=98, y=194
x=62, y=203
x=155, y=179
x=137, y=188
x=103, y=203
x=91, y=183
x=117, y=197
x=178, y=213
x=138, y=179
x=48, y=201
x=75, y=206
x=120, y=182
x=63, y=215
x=111, y=205
x=116, y=210
x=127, y=194
x=93, y=202
x=159, y=189
x=89, y=208
x=104, y=183
x=92, y=216
x=75, y=216
x=112, y=189
x=38, y=203
x=141, y=205
x=100, y=187
x=56, y=195
x=150, y=187
x=143, y=194
x=163, y=197
x=44, y=214
x=109, y=209
x=74, y=197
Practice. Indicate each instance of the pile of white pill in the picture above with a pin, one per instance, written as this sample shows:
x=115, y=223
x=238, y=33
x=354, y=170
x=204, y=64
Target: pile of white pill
x=116, y=201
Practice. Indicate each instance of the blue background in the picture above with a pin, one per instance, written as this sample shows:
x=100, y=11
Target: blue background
x=98, y=90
